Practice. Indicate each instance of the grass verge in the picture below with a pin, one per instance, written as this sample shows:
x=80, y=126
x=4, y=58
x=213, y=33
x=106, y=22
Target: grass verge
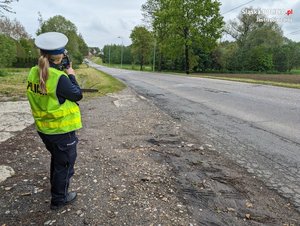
x=90, y=78
x=98, y=60
x=13, y=82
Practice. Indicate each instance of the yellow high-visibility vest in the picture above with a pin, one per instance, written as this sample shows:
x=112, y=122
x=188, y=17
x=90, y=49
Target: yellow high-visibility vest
x=49, y=115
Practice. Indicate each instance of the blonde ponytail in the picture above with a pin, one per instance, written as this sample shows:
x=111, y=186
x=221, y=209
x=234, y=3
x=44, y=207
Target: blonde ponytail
x=43, y=64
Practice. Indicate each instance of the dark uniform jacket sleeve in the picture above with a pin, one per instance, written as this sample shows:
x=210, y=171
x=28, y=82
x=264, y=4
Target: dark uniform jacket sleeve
x=68, y=88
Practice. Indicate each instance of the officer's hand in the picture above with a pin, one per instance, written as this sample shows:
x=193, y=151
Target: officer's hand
x=70, y=70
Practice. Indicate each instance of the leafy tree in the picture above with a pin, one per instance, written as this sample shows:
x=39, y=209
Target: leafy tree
x=222, y=54
x=260, y=59
x=83, y=48
x=257, y=41
x=8, y=51
x=245, y=24
x=127, y=56
x=183, y=25
x=265, y=36
x=142, y=45
x=112, y=54
x=258, y=48
x=13, y=28
x=157, y=21
x=287, y=56
x=25, y=53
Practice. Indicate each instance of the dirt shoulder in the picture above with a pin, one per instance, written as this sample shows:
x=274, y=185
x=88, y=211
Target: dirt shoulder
x=136, y=166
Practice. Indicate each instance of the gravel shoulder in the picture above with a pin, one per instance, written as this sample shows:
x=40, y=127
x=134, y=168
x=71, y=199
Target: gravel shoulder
x=136, y=165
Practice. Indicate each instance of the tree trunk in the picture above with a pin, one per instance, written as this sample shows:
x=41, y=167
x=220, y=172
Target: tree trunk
x=159, y=60
x=187, y=60
x=186, y=51
x=142, y=63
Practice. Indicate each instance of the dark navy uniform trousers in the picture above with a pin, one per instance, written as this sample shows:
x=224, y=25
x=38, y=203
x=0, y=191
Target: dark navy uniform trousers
x=63, y=156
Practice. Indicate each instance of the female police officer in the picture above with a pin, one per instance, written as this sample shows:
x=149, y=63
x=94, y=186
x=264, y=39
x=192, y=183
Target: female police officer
x=52, y=92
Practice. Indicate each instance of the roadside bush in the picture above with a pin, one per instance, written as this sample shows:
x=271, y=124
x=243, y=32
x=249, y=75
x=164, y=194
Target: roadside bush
x=7, y=50
x=2, y=73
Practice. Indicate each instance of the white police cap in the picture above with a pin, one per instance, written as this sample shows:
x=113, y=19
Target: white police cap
x=51, y=42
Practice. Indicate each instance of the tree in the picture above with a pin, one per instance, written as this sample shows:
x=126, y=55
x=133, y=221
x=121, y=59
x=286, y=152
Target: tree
x=186, y=25
x=83, y=48
x=12, y=28
x=27, y=53
x=142, y=44
x=8, y=51
x=112, y=54
x=24, y=52
x=5, y=6
x=158, y=23
x=257, y=41
x=287, y=56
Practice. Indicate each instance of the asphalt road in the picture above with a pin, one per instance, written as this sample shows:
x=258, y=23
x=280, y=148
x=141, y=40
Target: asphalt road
x=257, y=126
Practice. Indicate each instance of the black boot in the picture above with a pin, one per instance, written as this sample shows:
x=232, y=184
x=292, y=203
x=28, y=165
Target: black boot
x=71, y=197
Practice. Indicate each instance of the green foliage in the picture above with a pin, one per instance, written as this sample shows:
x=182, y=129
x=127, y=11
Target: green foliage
x=259, y=59
x=142, y=45
x=112, y=54
x=287, y=57
x=183, y=27
x=259, y=46
x=8, y=50
x=16, y=46
x=83, y=48
x=18, y=49
x=2, y=73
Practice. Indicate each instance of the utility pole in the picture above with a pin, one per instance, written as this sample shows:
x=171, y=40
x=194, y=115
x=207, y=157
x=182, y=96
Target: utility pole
x=121, y=51
x=109, y=54
x=154, y=53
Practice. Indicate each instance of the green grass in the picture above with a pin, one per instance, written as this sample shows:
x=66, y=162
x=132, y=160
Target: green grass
x=129, y=67
x=90, y=78
x=96, y=60
x=13, y=82
x=134, y=67
x=295, y=71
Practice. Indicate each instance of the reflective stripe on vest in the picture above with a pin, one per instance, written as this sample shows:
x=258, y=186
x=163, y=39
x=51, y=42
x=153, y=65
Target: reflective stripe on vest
x=50, y=116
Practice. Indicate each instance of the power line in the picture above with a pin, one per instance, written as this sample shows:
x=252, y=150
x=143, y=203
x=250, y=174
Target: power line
x=294, y=32
x=238, y=7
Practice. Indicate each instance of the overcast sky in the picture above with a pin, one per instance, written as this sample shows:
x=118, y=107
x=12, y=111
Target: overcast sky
x=102, y=22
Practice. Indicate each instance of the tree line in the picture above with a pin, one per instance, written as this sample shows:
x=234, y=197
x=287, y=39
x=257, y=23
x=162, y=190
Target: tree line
x=17, y=46
x=178, y=35
x=259, y=45
x=186, y=35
